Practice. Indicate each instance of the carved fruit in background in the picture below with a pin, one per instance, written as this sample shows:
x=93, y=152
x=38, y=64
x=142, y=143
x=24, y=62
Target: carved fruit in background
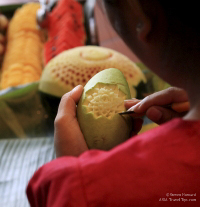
x=77, y=66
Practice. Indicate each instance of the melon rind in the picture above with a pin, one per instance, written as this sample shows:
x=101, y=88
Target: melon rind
x=102, y=132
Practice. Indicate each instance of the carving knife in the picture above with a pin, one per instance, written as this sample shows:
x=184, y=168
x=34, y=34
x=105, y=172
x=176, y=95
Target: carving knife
x=178, y=107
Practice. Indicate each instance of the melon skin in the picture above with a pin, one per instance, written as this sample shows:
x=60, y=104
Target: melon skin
x=99, y=130
x=102, y=133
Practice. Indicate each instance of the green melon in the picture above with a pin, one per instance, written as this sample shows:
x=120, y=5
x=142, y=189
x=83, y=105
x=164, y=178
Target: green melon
x=97, y=112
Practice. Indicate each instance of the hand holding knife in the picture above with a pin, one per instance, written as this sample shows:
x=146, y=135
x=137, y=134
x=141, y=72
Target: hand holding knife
x=178, y=107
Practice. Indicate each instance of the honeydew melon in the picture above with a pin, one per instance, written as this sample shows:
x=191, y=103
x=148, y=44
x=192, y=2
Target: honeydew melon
x=97, y=112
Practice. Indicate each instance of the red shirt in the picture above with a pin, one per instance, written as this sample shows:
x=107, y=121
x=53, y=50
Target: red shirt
x=158, y=168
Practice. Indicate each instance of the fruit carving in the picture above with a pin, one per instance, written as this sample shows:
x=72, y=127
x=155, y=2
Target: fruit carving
x=97, y=112
x=78, y=65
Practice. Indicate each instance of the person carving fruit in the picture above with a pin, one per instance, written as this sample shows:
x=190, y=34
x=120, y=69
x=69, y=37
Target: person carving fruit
x=160, y=167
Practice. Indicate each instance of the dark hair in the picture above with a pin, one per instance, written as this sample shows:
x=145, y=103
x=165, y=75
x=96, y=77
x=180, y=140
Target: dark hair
x=182, y=44
x=184, y=12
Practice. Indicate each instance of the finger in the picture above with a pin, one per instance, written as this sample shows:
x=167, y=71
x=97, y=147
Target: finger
x=137, y=115
x=3, y=22
x=168, y=96
x=181, y=107
x=160, y=115
x=131, y=102
x=68, y=102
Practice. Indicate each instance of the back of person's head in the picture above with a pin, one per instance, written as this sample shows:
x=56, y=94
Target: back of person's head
x=183, y=32
x=182, y=12
x=182, y=16
x=168, y=35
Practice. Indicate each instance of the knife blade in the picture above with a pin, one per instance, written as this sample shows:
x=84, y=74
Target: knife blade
x=126, y=112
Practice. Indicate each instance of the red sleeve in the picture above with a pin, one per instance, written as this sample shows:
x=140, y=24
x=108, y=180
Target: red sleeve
x=57, y=183
x=147, y=170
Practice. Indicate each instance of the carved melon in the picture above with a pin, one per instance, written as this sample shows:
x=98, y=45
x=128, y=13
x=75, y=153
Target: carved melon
x=78, y=65
x=97, y=112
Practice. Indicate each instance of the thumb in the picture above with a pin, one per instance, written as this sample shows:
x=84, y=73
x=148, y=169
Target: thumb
x=160, y=115
x=68, y=102
x=68, y=138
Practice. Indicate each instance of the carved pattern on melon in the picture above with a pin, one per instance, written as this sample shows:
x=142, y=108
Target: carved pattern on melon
x=104, y=100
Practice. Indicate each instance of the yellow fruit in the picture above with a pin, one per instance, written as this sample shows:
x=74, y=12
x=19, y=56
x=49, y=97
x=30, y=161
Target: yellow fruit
x=24, y=48
x=24, y=19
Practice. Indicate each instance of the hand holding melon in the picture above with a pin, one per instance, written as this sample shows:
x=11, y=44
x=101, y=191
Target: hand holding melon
x=97, y=113
x=102, y=99
x=68, y=138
